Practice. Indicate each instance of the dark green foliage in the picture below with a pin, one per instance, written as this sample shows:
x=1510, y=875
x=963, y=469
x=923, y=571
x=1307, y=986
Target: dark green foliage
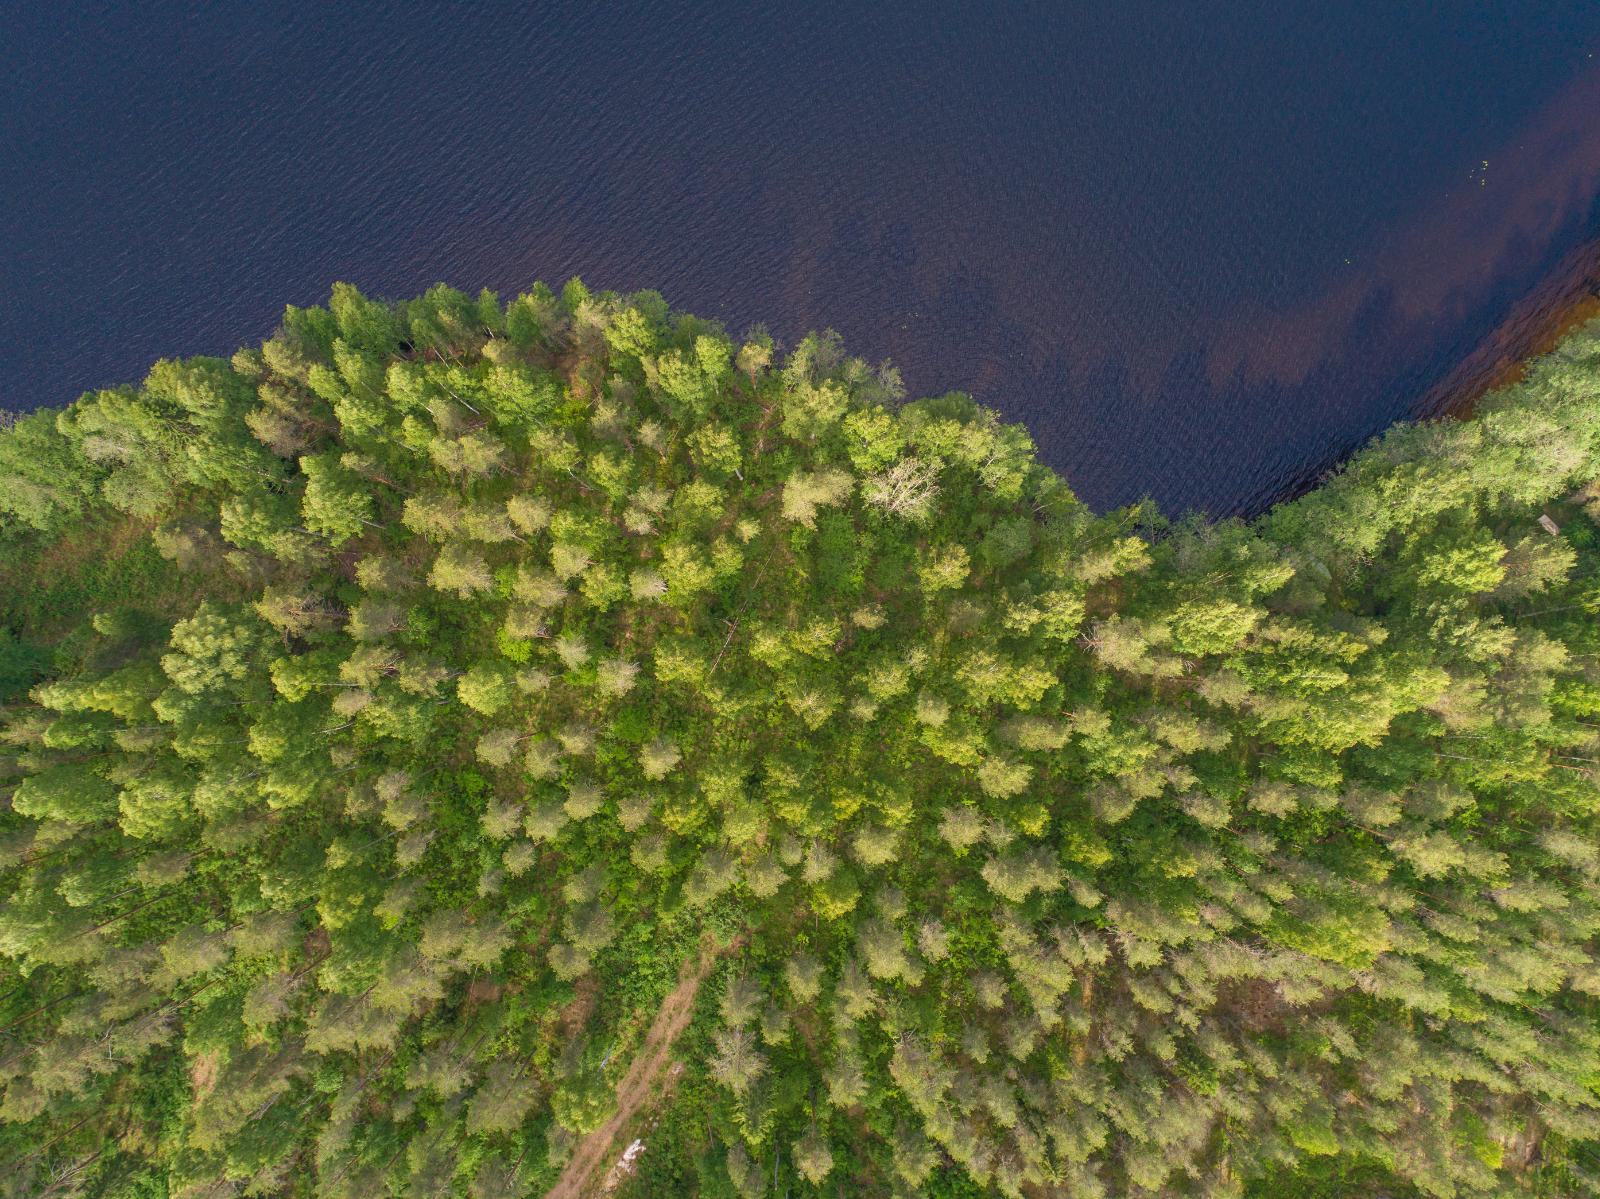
x=398, y=711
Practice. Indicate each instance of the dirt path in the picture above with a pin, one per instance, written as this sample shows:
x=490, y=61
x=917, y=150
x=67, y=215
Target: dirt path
x=587, y=1169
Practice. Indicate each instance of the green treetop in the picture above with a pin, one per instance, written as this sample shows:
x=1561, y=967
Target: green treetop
x=393, y=712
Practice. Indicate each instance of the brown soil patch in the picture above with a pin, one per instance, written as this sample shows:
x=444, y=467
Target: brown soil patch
x=203, y=1073
x=110, y=540
x=1255, y=1005
x=317, y=943
x=76, y=552
x=576, y=1014
x=586, y=1172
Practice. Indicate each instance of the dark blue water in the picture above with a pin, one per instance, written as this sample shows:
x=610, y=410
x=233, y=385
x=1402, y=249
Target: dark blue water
x=1200, y=248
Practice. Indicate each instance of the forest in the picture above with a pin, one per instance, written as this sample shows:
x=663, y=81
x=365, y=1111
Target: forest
x=394, y=717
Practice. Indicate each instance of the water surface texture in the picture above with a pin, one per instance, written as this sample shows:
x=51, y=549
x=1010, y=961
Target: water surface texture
x=1202, y=249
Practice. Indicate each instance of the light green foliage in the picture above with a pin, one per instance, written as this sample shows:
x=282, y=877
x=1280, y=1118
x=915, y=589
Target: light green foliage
x=336, y=502
x=805, y=492
x=716, y=450
x=212, y=649
x=500, y=666
x=486, y=687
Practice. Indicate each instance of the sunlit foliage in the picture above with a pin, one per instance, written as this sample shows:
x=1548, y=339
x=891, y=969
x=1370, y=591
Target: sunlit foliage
x=395, y=709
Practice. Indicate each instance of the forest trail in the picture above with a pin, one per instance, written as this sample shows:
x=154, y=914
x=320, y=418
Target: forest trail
x=587, y=1169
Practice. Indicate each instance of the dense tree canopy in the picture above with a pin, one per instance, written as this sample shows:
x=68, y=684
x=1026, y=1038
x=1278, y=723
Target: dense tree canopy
x=393, y=711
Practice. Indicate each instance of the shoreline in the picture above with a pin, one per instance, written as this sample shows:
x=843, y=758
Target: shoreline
x=1567, y=299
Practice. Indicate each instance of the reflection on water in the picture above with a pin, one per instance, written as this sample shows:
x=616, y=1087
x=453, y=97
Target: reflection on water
x=1435, y=269
x=1200, y=249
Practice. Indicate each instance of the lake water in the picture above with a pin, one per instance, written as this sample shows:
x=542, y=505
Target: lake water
x=1201, y=249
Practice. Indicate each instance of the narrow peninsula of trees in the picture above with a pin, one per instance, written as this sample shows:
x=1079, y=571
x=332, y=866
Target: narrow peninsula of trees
x=393, y=714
